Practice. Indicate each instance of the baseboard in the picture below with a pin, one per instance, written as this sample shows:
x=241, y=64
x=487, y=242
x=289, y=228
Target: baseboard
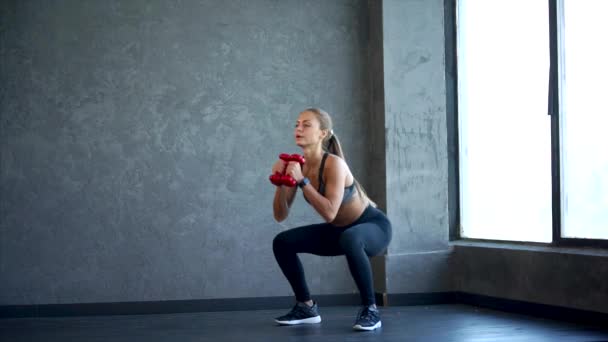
x=267, y=303
x=533, y=309
x=203, y=305
x=165, y=307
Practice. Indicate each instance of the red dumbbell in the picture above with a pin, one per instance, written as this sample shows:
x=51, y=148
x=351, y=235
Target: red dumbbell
x=279, y=179
x=286, y=179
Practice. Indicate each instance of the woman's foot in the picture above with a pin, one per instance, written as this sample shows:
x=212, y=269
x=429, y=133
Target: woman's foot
x=300, y=314
x=368, y=319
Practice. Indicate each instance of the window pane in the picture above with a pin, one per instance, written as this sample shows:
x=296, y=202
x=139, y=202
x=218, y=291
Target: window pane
x=504, y=129
x=584, y=120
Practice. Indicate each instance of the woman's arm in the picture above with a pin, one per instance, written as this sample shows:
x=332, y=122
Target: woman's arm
x=283, y=198
x=327, y=205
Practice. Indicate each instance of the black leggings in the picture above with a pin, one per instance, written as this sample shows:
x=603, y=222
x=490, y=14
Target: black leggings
x=368, y=236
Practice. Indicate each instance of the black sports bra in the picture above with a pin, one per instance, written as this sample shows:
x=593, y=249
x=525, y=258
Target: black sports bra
x=349, y=191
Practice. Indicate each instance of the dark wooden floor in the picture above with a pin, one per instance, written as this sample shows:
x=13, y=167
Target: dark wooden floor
x=410, y=323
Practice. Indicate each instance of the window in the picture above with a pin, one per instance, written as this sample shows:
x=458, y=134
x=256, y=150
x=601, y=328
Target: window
x=508, y=182
x=584, y=119
x=505, y=132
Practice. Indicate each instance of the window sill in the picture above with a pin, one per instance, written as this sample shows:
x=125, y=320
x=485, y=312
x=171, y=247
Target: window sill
x=523, y=246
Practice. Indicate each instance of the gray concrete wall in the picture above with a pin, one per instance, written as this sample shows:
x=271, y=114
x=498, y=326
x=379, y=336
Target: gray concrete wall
x=137, y=137
x=376, y=124
x=377, y=136
x=567, y=277
x=416, y=149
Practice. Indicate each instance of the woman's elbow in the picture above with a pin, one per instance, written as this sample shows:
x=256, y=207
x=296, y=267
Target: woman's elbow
x=330, y=216
x=330, y=219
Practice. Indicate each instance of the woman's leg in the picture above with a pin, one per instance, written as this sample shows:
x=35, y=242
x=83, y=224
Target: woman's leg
x=360, y=242
x=319, y=239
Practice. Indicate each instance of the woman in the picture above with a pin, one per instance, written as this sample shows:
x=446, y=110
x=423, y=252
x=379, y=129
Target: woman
x=353, y=226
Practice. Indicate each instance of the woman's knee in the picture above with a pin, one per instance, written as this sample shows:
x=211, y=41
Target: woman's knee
x=281, y=241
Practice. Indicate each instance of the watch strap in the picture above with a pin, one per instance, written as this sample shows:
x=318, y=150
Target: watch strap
x=303, y=182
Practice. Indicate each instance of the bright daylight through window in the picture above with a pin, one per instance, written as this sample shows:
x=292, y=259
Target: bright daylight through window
x=504, y=129
x=584, y=120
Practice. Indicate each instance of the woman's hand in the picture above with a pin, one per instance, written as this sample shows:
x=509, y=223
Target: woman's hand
x=279, y=166
x=295, y=171
x=283, y=197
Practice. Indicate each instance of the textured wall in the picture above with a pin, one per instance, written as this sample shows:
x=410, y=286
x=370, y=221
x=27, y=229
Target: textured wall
x=416, y=149
x=377, y=137
x=377, y=147
x=137, y=136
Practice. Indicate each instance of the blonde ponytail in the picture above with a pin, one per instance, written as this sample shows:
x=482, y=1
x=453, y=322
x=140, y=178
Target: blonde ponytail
x=333, y=146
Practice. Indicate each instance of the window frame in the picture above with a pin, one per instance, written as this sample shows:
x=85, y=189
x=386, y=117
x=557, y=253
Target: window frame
x=556, y=28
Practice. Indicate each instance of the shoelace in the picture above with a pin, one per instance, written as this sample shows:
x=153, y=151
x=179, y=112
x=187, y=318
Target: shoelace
x=297, y=310
x=366, y=314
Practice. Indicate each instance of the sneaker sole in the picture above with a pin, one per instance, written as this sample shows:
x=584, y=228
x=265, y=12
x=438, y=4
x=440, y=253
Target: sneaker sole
x=310, y=320
x=362, y=328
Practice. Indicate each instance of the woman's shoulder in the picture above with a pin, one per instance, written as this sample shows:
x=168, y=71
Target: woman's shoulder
x=333, y=158
x=335, y=162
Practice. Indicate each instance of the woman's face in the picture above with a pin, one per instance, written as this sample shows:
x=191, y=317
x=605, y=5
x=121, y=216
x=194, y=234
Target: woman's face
x=307, y=130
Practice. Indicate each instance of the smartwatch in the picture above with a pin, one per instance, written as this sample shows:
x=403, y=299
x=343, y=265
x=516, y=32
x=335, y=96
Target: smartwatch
x=305, y=181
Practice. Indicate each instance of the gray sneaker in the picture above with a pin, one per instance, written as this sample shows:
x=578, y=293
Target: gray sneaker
x=300, y=314
x=368, y=319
